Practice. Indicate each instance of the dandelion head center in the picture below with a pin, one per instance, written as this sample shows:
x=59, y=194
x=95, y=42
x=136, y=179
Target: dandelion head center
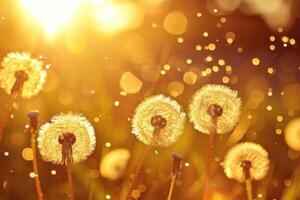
x=67, y=138
x=215, y=110
x=21, y=74
x=246, y=165
x=158, y=122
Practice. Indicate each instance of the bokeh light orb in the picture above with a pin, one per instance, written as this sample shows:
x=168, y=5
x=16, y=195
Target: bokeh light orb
x=27, y=154
x=228, y=5
x=292, y=134
x=175, y=23
x=175, y=88
x=114, y=163
x=130, y=83
x=190, y=78
x=230, y=37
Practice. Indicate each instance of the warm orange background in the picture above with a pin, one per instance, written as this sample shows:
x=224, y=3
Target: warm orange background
x=88, y=63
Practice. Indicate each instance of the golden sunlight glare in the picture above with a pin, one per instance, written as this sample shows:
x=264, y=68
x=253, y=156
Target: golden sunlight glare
x=113, y=17
x=52, y=14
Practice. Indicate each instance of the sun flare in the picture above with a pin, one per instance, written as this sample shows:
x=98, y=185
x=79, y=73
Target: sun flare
x=52, y=14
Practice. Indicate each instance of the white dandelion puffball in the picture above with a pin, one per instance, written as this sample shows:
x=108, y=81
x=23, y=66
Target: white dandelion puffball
x=228, y=111
x=292, y=134
x=48, y=139
x=114, y=163
x=158, y=109
x=246, y=152
x=33, y=68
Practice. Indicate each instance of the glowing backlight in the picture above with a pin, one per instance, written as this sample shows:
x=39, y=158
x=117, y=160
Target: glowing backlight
x=113, y=17
x=52, y=14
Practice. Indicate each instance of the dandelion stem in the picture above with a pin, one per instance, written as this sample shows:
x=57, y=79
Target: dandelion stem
x=33, y=130
x=16, y=89
x=172, y=187
x=35, y=168
x=215, y=111
x=210, y=146
x=70, y=178
x=208, y=165
x=67, y=140
x=246, y=165
x=137, y=171
x=248, y=186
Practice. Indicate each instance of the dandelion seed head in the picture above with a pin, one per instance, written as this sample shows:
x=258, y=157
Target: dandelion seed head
x=22, y=62
x=158, y=112
x=49, y=139
x=215, y=101
x=253, y=154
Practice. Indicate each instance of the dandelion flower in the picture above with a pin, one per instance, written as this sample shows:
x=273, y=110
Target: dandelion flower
x=215, y=102
x=67, y=139
x=66, y=125
x=114, y=164
x=250, y=155
x=32, y=70
x=292, y=134
x=19, y=75
x=215, y=109
x=158, y=121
